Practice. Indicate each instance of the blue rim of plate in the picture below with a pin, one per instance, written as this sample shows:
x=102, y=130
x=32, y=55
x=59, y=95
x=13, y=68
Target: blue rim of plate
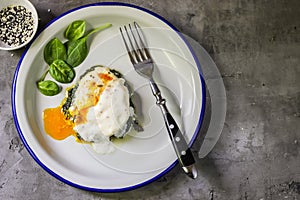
x=31, y=152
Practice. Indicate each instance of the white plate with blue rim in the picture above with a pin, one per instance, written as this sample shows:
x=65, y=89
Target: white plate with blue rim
x=142, y=157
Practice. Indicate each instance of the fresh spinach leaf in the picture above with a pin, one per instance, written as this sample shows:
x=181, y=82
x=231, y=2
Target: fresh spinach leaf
x=61, y=71
x=63, y=57
x=75, y=30
x=77, y=50
x=54, y=50
x=100, y=28
x=48, y=88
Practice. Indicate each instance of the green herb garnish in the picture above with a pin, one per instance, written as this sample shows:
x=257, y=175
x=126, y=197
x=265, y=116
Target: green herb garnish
x=54, y=50
x=62, y=58
x=75, y=30
x=61, y=71
x=49, y=88
x=77, y=50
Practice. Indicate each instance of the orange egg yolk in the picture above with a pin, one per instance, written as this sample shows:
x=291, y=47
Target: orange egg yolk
x=56, y=125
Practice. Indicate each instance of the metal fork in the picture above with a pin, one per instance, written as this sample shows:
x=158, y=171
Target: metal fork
x=144, y=65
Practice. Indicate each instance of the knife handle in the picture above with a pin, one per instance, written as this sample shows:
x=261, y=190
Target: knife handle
x=183, y=152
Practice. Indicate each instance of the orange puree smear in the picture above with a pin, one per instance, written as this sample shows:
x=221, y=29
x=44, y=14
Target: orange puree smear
x=56, y=125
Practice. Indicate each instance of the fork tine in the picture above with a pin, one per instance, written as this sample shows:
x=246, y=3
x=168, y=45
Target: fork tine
x=140, y=35
x=134, y=43
x=132, y=59
x=139, y=49
x=134, y=50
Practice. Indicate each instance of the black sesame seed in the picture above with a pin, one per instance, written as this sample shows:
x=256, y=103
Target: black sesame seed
x=16, y=25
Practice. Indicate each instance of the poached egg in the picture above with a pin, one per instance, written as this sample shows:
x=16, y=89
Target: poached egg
x=95, y=109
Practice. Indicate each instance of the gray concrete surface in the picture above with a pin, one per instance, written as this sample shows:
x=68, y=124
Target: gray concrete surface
x=256, y=45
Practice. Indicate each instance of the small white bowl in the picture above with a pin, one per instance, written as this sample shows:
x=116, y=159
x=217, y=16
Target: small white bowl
x=28, y=5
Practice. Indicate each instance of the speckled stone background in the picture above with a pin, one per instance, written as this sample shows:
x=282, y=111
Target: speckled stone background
x=256, y=46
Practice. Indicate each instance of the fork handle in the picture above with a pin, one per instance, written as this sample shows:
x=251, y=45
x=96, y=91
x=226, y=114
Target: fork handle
x=183, y=152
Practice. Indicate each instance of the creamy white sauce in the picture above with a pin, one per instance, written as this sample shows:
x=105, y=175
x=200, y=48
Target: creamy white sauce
x=112, y=111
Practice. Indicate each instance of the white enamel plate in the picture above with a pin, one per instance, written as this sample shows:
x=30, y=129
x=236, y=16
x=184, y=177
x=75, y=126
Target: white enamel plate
x=139, y=158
